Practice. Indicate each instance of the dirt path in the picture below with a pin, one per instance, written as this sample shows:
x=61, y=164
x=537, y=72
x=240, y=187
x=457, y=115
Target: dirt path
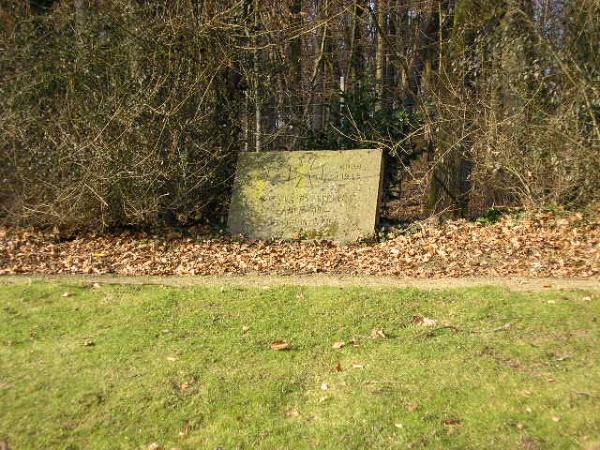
x=521, y=284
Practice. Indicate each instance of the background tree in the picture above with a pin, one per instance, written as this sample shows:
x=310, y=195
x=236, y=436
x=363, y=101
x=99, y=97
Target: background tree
x=127, y=112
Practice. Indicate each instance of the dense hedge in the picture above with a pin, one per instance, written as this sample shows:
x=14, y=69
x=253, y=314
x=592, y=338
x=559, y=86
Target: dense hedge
x=104, y=126
x=123, y=112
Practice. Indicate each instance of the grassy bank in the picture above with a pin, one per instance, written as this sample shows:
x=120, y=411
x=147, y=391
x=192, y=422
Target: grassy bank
x=127, y=366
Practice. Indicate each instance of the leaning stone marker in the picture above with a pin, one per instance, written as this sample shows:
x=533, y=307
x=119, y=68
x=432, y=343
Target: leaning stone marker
x=306, y=195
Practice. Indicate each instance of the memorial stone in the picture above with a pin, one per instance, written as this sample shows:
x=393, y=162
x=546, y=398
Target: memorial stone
x=306, y=195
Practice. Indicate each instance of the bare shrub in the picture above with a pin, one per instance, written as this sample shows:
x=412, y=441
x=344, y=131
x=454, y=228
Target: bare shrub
x=519, y=103
x=123, y=116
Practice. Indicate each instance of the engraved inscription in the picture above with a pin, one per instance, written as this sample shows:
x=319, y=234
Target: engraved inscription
x=306, y=194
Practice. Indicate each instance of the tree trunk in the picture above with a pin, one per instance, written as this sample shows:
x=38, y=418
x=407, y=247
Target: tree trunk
x=450, y=180
x=356, y=69
x=380, y=57
x=81, y=12
x=295, y=74
x=319, y=69
x=257, y=84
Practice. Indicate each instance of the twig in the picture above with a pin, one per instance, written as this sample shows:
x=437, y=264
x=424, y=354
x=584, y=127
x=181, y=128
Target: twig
x=446, y=327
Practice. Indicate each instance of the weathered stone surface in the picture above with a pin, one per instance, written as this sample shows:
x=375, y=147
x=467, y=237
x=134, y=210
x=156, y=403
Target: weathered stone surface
x=306, y=194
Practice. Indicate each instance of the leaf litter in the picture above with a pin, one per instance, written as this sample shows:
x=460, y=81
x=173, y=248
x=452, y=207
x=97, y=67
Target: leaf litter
x=280, y=345
x=539, y=245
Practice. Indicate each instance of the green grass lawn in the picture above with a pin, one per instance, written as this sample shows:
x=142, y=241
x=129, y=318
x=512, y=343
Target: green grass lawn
x=123, y=367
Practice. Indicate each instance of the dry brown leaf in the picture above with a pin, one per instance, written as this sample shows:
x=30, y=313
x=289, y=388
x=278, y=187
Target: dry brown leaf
x=338, y=345
x=528, y=443
x=338, y=367
x=377, y=333
x=451, y=421
x=412, y=407
x=454, y=249
x=423, y=321
x=186, y=385
x=186, y=430
x=292, y=413
x=280, y=345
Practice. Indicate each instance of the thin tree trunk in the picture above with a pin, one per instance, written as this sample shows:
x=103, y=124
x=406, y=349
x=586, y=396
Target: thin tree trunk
x=356, y=69
x=246, y=122
x=257, y=90
x=319, y=68
x=448, y=187
x=296, y=74
x=248, y=112
x=380, y=56
x=198, y=8
x=81, y=12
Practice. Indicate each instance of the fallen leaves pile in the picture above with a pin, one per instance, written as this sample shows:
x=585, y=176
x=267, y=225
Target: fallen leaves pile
x=542, y=245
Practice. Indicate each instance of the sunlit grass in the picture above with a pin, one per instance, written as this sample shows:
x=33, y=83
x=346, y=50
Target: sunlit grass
x=123, y=367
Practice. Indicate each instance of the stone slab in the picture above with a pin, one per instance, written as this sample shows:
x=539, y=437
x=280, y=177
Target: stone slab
x=307, y=195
